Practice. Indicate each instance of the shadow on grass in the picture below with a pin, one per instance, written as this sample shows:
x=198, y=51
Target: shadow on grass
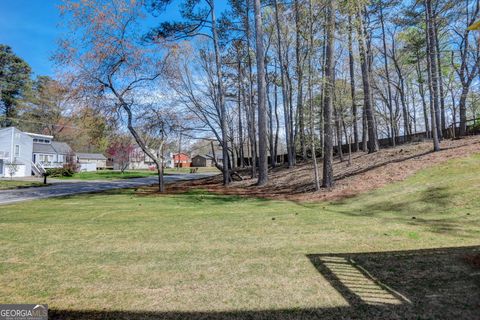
x=189, y=197
x=421, y=284
x=414, y=284
x=416, y=210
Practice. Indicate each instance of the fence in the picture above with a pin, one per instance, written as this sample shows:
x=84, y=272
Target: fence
x=473, y=128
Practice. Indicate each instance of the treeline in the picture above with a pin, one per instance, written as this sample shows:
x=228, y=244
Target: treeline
x=317, y=74
x=45, y=105
x=264, y=78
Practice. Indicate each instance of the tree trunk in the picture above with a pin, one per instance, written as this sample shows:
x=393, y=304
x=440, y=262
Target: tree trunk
x=310, y=99
x=352, y=84
x=387, y=74
x=284, y=91
x=432, y=72
x=422, y=95
x=463, y=110
x=328, y=180
x=372, y=144
x=299, y=71
x=239, y=101
x=440, y=78
x=221, y=98
x=141, y=143
x=338, y=131
x=270, y=125
x=262, y=112
x=251, y=113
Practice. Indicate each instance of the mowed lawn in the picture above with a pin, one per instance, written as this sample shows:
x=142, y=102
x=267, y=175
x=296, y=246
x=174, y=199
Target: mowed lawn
x=124, y=255
x=18, y=184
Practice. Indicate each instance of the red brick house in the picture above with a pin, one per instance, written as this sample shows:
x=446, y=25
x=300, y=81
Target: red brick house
x=181, y=160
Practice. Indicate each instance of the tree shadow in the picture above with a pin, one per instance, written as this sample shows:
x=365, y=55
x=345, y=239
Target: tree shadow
x=415, y=211
x=414, y=284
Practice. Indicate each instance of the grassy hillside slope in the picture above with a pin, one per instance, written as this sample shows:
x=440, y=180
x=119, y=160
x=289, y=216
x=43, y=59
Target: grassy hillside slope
x=396, y=252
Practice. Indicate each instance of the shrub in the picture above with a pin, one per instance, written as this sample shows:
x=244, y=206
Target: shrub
x=66, y=171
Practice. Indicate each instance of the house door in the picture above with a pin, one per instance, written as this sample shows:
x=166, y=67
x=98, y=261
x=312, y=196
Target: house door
x=1, y=167
x=34, y=158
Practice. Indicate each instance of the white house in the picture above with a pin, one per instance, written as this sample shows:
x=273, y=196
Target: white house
x=16, y=149
x=139, y=159
x=49, y=153
x=30, y=153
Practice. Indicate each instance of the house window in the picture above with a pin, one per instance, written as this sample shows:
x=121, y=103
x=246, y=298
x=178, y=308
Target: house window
x=45, y=158
x=39, y=140
x=60, y=158
x=17, y=150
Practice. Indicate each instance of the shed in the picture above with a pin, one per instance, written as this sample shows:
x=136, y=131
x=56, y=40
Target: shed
x=201, y=161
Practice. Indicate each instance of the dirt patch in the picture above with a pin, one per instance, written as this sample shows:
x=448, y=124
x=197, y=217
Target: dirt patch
x=366, y=172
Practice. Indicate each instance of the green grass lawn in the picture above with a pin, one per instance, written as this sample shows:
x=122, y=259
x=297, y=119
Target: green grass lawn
x=124, y=255
x=17, y=184
x=129, y=174
x=110, y=175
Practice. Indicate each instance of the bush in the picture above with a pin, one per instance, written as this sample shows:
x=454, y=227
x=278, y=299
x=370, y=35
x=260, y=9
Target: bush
x=60, y=172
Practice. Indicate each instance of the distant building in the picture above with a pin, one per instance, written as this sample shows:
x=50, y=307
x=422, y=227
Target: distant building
x=201, y=161
x=181, y=160
x=91, y=161
x=139, y=160
x=206, y=160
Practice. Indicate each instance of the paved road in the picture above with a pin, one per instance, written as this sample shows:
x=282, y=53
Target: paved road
x=59, y=189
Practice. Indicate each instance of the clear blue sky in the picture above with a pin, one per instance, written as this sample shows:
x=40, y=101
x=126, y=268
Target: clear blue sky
x=31, y=28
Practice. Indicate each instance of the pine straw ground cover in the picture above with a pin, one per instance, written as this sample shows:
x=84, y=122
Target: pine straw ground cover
x=398, y=252
x=366, y=172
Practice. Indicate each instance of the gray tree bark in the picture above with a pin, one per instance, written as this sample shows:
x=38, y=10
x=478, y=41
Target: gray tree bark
x=262, y=112
x=328, y=180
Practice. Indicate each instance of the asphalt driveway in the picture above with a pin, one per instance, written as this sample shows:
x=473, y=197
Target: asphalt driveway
x=59, y=189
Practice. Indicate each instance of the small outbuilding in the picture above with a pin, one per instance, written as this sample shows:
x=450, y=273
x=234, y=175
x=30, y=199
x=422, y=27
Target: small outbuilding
x=91, y=161
x=201, y=161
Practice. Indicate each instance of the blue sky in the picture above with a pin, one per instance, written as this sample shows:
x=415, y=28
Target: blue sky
x=31, y=28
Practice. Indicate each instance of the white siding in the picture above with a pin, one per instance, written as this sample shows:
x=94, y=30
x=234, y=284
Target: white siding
x=25, y=148
x=88, y=167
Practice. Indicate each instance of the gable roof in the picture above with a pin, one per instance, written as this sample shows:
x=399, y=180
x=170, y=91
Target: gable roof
x=91, y=156
x=61, y=147
x=43, y=148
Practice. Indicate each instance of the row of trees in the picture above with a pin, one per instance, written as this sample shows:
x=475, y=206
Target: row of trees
x=325, y=73
x=46, y=105
x=294, y=79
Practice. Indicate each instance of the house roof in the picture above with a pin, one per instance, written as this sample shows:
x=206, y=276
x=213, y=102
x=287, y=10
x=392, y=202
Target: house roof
x=61, y=147
x=38, y=135
x=43, y=148
x=91, y=156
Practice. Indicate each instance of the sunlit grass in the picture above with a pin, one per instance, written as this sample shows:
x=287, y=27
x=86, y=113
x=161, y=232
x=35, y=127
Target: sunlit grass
x=204, y=252
x=16, y=184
